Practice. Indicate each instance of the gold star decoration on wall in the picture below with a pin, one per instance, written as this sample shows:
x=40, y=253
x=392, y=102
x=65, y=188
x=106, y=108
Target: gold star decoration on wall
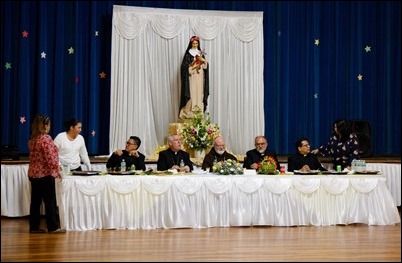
x=102, y=75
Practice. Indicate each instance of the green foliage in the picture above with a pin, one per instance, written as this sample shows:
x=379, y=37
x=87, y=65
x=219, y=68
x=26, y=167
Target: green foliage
x=198, y=132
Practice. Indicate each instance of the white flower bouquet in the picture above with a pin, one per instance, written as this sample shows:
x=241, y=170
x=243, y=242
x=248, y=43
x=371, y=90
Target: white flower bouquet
x=227, y=167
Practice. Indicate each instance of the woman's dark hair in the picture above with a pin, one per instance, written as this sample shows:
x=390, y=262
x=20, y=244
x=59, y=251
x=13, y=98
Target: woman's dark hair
x=71, y=122
x=137, y=140
x=343, y=128
x=38, y=125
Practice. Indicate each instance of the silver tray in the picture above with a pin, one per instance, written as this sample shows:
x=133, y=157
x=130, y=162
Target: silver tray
x=368, y=172
x=307, y=172
x=121, y=173
x=85, y=173
x=334, y=172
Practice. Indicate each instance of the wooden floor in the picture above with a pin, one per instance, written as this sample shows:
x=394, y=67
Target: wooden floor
x=355, y=242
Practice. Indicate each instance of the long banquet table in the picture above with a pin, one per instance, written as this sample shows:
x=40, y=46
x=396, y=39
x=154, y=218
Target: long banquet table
x=16, y=189
x=208, y=200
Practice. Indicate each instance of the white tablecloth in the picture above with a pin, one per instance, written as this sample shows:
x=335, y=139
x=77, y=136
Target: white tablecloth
x=197, y=201
x=16, y=188
x=392, y=172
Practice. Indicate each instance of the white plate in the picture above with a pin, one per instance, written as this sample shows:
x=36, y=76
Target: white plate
x=199, y=172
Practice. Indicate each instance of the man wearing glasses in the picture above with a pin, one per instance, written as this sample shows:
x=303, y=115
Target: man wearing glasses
x=255, y=156
x=130, y=154
x=303, y=159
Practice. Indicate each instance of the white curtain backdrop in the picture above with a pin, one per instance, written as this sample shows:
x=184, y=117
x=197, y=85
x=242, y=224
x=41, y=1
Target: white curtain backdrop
x=148, y=45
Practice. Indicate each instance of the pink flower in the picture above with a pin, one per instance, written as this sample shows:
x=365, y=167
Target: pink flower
x=199, y=132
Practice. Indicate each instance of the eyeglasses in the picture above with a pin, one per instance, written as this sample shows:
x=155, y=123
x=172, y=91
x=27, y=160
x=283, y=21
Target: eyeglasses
x=263, y=143
x=130, y=143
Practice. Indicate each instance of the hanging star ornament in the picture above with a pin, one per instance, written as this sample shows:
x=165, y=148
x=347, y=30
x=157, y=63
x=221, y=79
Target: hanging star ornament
x=71, y=50
x=25, y=34
x=43, y=54
x=7, y=65
x=316, y=96
x=316, y=42
x=96, y=33
x=360, y=77
x=93, y=133
x=22, y=119
x=102, y=75
x=368, y=49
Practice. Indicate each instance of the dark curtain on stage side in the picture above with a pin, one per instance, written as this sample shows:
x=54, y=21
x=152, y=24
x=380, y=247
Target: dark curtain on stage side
x=322, y=61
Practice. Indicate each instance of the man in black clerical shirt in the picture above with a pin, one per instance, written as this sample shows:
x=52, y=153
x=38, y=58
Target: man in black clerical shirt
x=171, y=158
x=130, y=154
x=217, y=153
x=254, y=157
x=303, y=159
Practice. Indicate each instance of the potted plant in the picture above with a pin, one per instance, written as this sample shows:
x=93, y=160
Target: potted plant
x=198, y=131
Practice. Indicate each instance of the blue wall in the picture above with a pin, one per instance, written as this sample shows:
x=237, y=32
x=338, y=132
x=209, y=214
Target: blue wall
x=307, y=86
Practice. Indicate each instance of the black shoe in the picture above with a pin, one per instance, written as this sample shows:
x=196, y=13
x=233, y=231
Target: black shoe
x=59, y=230
x=37, y=231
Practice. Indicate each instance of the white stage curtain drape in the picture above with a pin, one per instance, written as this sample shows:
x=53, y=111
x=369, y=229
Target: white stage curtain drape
x=148, y=45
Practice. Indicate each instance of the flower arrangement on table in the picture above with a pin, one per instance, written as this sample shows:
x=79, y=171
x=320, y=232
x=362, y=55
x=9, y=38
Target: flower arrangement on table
x=227, y=167
x=267, y=166
x=198, y=131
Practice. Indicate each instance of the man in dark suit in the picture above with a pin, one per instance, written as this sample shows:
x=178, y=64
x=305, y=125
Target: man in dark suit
x=303, y=159
x=130, y=154
x=254, y=157
x=217, y=153
x=172, y=157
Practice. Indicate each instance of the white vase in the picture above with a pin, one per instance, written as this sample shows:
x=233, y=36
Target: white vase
x=199, y=153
